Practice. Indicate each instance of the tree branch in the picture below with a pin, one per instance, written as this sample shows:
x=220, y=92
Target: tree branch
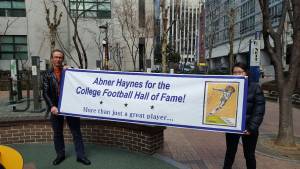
x=290, y=13
x=283, y=17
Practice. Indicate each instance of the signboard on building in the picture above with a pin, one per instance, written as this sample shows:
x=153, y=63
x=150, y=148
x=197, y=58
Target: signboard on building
x=191, y=101
x=255, y=53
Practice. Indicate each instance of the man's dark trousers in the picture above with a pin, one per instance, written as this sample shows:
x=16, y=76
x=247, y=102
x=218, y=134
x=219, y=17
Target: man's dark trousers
x=74, y=126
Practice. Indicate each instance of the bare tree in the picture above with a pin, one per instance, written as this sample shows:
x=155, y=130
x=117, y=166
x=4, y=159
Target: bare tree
x=164, y=41
x=210, y=45
x=7, y=25
x=98, y=42
x=52, y=26
x=116, y=50
x=148, y=34
x=228, y=11
x=130, y=31
x=274, y=46
x=165, y=29
x=117, y=56
x=97, y=39
x=81, y=61
x=67, y=51
x=211, y=30
x=79, y=47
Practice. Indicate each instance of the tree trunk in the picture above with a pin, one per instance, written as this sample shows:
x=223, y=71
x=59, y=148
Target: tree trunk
x=209, y=66
x=164, y=37
x=133, y=56
x=83, y=50
x=285, y=135
x=164, y=53
x=231, y=37
x=210, y=48
x=52, y=40
x=78, y=51
x=286, y=85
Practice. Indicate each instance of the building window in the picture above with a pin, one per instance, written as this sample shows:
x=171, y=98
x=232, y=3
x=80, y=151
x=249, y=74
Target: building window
x=142, y=16
x=247, y=25
x=12, y=8
x=225, y=21
x=13, y=47
x=273, y=1
x=248, y=8
x=91, y=8
x=275, y=12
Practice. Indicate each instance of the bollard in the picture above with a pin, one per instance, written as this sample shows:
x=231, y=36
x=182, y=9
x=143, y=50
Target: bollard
x=171, y=66
x=171, y=71
x=98, y=64
x=36, y=84
x=148, y=65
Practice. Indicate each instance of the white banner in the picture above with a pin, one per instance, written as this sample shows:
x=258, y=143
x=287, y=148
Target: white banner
x=190, y=101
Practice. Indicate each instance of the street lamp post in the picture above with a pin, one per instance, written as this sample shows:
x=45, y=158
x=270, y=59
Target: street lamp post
x=105, y=45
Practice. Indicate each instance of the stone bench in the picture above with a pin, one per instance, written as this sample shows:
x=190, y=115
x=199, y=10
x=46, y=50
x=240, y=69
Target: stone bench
x=271, y=95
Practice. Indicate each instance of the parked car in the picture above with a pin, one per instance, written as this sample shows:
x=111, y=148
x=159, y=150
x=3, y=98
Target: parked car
x=220, y=71
x=269, y=86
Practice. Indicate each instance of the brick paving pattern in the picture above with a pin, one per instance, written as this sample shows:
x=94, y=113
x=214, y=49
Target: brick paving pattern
x=206, y=150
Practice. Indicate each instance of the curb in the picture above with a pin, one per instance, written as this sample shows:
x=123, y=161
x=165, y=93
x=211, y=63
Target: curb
x=170, y=161
x=265, y=151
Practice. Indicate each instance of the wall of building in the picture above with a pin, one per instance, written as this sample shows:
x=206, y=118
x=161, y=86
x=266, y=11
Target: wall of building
x=184, y=32
x=35, y=27
x=244, y=31
x=19, y=27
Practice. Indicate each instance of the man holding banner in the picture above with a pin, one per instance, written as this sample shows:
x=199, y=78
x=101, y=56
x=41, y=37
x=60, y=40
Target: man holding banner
x=51, y=94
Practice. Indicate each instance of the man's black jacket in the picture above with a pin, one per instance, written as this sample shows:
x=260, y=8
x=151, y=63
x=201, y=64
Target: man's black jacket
x=50, y=89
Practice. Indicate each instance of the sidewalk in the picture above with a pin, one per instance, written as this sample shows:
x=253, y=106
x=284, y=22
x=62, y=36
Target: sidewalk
x=41, y=156
x=206, y=150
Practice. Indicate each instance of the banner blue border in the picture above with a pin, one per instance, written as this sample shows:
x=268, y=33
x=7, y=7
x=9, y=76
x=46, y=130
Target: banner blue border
x=165, y=75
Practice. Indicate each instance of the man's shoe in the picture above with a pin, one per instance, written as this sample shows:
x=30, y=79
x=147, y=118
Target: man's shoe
x=58, y=160
x=84, y=161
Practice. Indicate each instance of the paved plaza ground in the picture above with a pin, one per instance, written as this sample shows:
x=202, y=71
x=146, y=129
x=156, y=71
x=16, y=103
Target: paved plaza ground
x=195, y=149
x=205, y=150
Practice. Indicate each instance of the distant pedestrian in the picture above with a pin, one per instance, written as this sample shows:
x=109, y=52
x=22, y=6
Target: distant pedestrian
x=51, y=93
x=262, y=72
x=254, y=117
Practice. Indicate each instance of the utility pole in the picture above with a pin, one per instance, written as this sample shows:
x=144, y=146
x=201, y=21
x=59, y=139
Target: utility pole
x=14, y=79
x=254, y=51
x=105, y=45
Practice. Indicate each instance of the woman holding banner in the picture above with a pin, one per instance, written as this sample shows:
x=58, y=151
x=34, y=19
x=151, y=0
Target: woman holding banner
x=254, y=117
